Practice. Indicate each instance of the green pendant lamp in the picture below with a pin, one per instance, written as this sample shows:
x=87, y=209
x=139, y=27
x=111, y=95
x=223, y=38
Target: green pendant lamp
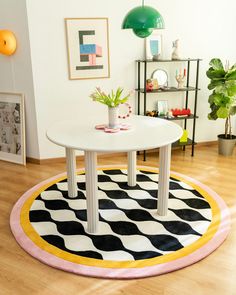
x=143, y=20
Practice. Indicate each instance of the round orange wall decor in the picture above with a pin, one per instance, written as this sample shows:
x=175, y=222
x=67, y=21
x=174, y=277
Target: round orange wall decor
x=7, y=42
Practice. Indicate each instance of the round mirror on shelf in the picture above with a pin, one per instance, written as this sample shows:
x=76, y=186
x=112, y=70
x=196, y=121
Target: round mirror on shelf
x=161, y=76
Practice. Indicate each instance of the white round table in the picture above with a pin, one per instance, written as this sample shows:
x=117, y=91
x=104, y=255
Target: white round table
x=145, y=133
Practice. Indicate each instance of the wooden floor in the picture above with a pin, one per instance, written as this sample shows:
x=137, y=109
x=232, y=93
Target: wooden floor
x=215, y=275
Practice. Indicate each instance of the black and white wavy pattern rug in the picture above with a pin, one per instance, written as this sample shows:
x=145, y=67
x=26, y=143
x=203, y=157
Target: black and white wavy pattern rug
x=132, y=239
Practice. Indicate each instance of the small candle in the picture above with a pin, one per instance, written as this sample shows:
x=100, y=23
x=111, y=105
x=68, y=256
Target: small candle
x=184, y=72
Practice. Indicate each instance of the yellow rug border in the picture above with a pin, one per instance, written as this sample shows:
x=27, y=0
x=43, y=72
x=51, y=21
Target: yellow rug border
x=32, y=234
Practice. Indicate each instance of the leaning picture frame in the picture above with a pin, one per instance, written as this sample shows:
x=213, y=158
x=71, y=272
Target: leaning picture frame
x=162, y=107
x=12, y=127
x=154, y=46
x=88, y=48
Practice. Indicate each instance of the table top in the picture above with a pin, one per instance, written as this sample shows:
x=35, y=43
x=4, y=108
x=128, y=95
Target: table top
x=145, y=133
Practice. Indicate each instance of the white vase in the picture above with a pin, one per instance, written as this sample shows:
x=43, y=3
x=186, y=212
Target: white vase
x=113, y=120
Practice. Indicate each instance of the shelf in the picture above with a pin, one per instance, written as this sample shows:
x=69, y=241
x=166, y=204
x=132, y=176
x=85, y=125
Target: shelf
x=170, y=89
x=177, y=143
x=142, y=68
x=168, y=60
x=178, y=118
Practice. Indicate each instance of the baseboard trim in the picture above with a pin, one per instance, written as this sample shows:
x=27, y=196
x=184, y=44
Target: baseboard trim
x=63, y=159
x=198, y=145
x=207, y=143
x=32, y=160
x=102, y=156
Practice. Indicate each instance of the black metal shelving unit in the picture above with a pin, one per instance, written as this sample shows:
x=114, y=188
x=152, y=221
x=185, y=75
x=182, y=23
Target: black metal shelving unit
x=187, y=89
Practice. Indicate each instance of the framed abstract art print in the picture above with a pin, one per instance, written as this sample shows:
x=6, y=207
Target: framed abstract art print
x=88, y=48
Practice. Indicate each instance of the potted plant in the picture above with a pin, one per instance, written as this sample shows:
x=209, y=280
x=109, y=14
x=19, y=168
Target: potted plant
x=113, y=100
x=223, y=101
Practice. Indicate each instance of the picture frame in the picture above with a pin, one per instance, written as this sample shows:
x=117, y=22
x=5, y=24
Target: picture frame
x=12, y=128
x=88, y=48
x=162, y=107
x=154, y=46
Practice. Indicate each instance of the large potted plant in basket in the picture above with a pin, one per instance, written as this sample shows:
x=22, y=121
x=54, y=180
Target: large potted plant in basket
x=223, y=101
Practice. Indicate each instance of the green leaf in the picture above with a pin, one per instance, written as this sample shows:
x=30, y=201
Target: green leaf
x=221, y=89
x=222, y=101
x=219, y=99
x=213, y=114
x=216, y=64
x=214, y=83
x=233, y=110
x=211, y=98
x=223, y=112
x=117, y=96
x=231, y=87
x=124, y=99
x=216, y=74
x=231, y=75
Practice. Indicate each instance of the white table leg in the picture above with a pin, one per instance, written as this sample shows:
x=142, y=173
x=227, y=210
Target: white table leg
x=132, y=168
x=163, y=184
x=71, y=172
x=91, y=190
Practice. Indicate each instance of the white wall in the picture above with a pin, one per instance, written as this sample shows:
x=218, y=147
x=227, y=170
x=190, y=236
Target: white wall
x=58, y=97
x=205, y=29
x=16, y=70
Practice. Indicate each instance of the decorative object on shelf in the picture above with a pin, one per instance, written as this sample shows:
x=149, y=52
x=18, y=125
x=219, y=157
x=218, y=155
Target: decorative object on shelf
x=180, y=78
x=12, y=127
x=113, y=100
x=181, y=112
x=153, y=113
x=151, y=84
x=7, y=42
x=166, y=88
x=143, y=20
x=88, y=48
x=223, y=101
x=153, y=46
x=175, y=53
x=170, y=114
x=161, y=76
x=162, y=107
x=184, y=137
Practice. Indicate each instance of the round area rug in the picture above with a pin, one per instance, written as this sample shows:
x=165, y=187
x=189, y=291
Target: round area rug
x=132, y=240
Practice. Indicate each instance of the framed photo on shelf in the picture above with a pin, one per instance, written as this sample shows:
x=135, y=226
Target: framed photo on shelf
x=162, y=107
x=12, y=127
x=88, y=48
x=154, y=46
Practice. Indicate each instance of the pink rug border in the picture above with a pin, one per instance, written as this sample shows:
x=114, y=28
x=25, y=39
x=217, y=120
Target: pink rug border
x=121, y=273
